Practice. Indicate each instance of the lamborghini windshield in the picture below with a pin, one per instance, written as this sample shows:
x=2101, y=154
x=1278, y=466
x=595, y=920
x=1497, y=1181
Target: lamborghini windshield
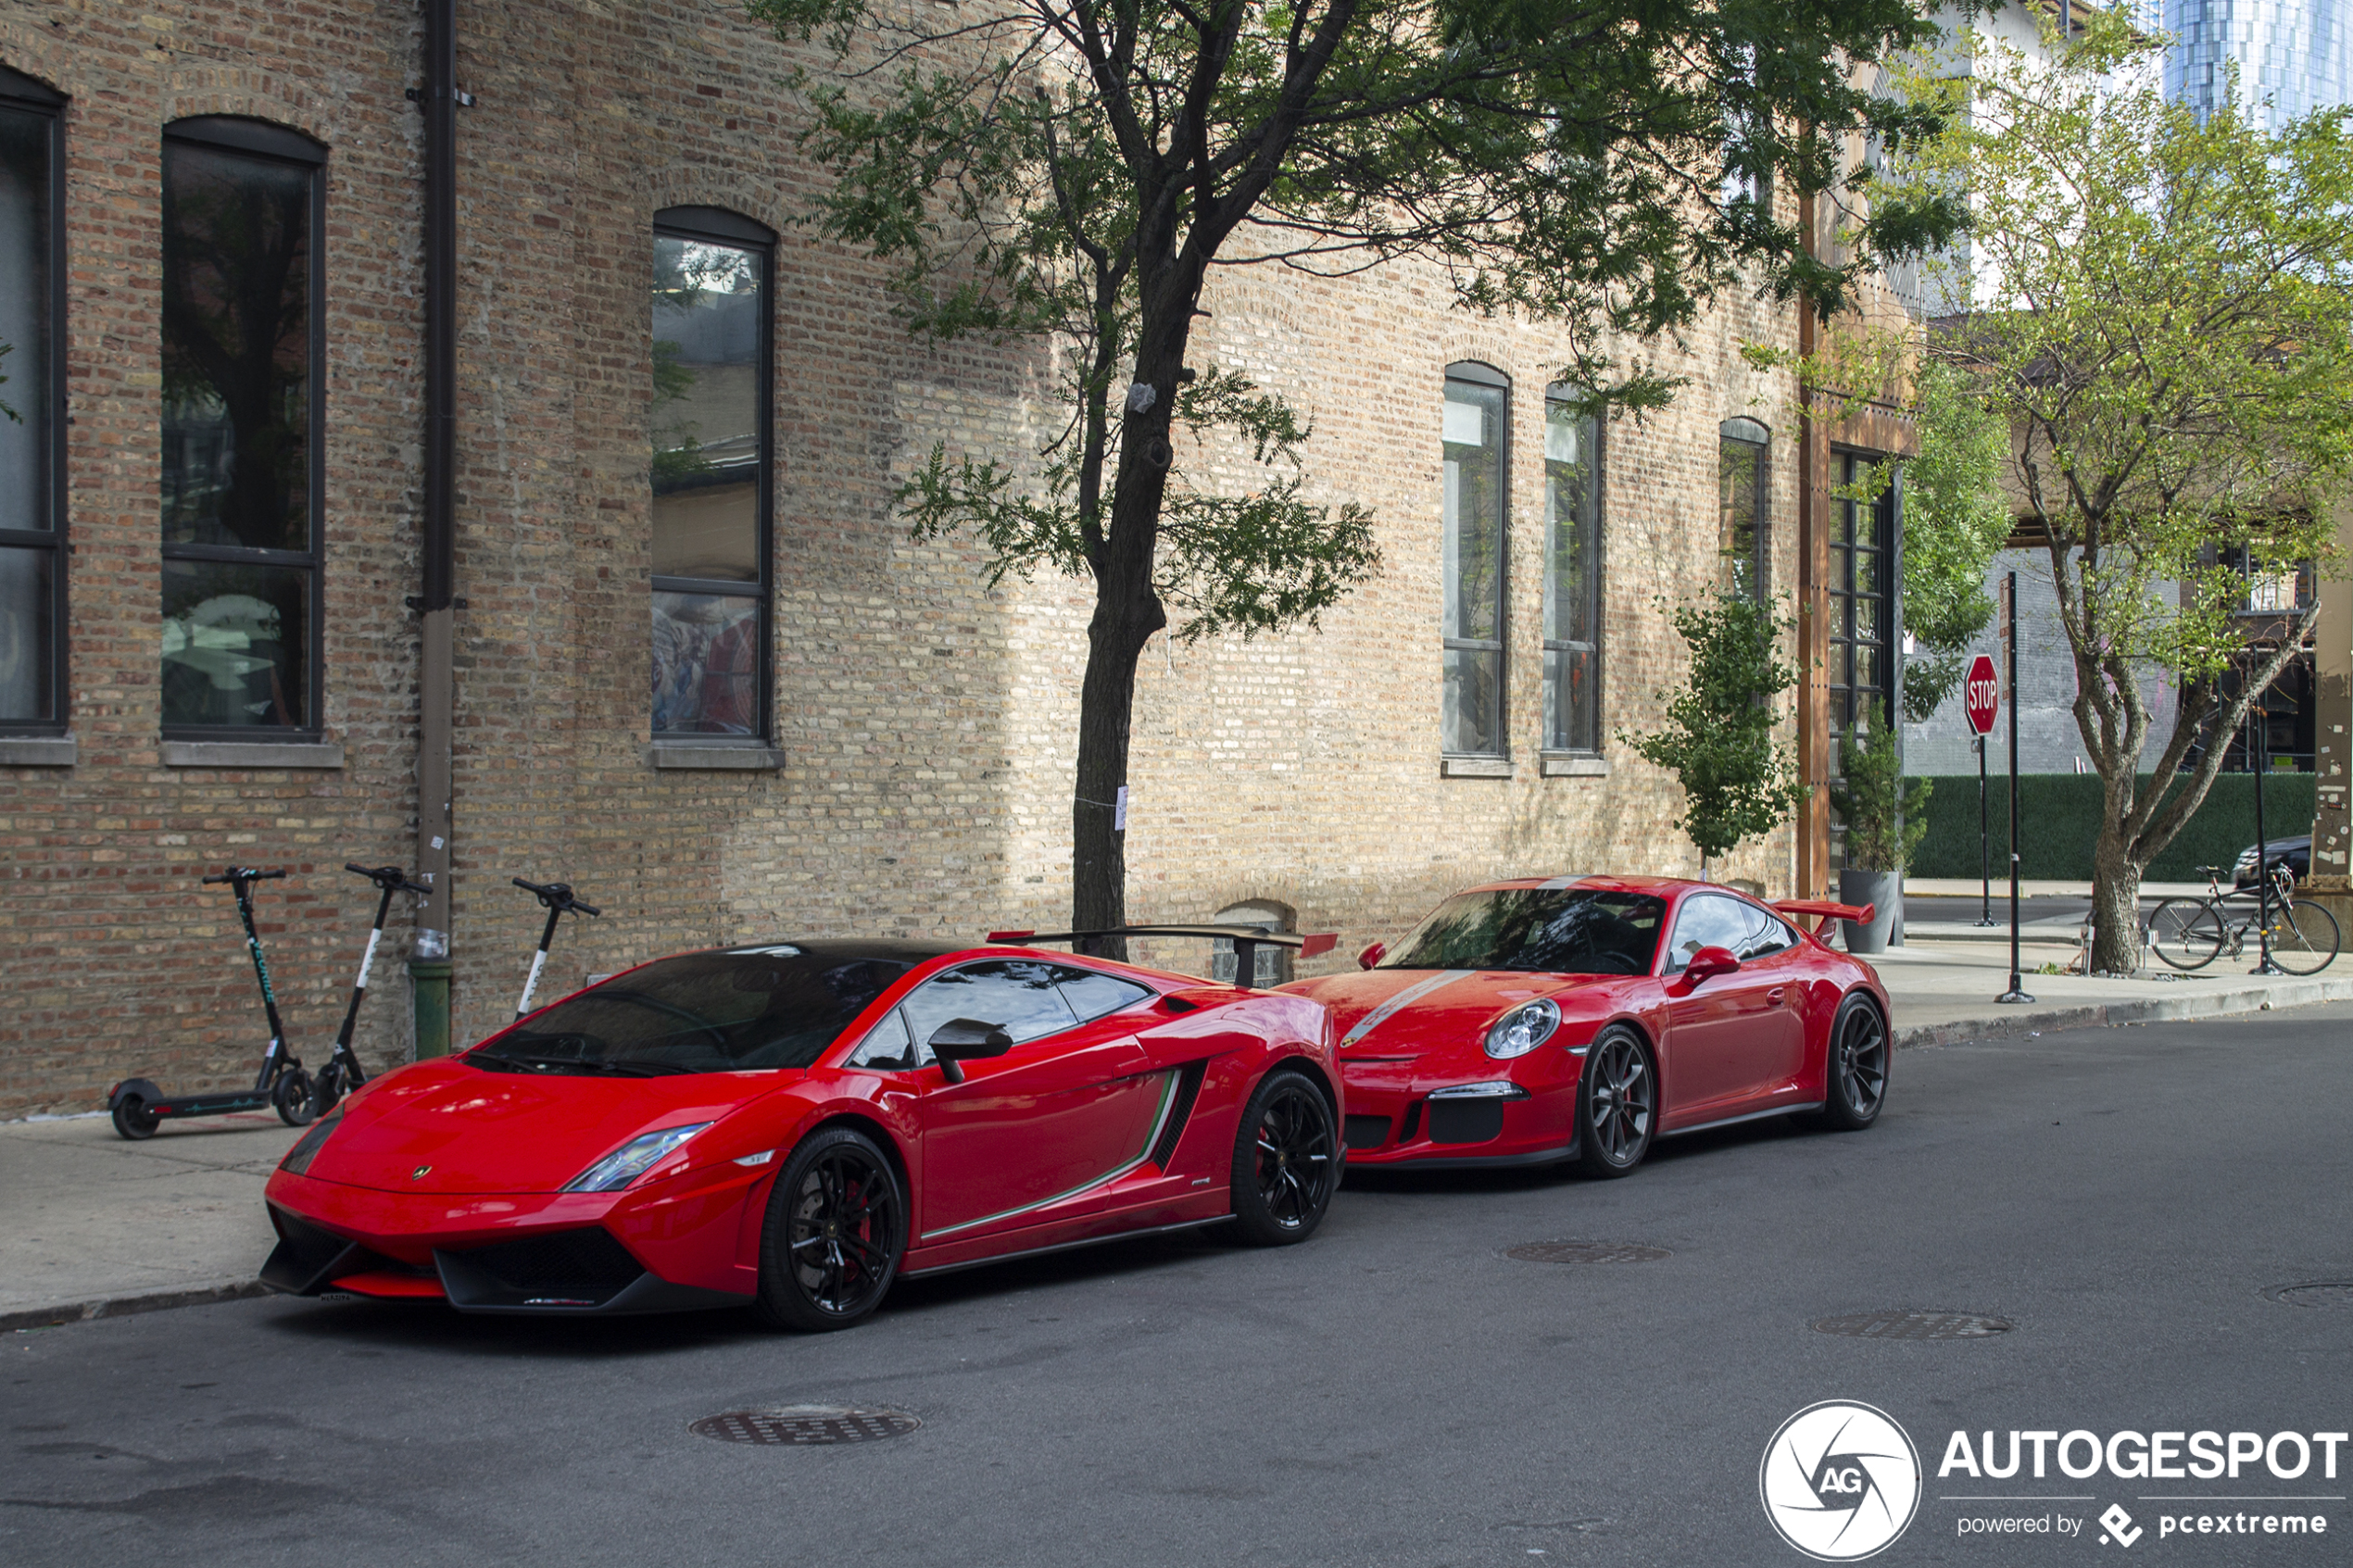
x=753, y=1007
x=1557, y=930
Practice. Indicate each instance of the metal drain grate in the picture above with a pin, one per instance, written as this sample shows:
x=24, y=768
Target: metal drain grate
x=1586, y=1252
x=806, y=1426
x=1913, y=1325
x=2335, y=1292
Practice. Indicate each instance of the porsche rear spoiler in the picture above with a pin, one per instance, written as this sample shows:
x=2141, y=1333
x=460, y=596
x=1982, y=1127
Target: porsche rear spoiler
x=1828, y=910
x=1247, y=939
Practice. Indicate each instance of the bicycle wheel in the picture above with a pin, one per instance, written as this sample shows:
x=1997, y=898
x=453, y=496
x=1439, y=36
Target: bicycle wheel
x=2186, y=933
x=2304, y=939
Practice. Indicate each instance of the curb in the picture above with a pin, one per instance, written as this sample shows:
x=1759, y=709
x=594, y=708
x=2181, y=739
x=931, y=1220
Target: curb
x=126, y=1306
x=2211, y=1004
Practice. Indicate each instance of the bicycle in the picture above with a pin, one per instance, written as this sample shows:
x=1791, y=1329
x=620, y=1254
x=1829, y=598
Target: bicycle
x=2191, y=933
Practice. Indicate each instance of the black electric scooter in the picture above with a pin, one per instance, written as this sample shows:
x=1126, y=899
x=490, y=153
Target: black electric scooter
x=139, y=1106
x=557, y=898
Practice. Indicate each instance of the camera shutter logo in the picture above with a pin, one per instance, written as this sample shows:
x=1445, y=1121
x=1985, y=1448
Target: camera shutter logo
x=1840, y=1480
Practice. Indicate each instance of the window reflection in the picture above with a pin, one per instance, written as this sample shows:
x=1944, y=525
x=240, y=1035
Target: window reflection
x=1572, y=578
x=1473, y=540
x=29, y=558
x=705, y=664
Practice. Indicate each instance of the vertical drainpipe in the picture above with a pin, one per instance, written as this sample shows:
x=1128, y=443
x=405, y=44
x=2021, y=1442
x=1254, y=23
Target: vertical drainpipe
x=428, y=963
x=1813, y=815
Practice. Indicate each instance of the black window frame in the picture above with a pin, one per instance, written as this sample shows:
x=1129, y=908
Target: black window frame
x=1474, y=373
x=1838, y=640
x=718, y=225
x=263, y=141
x=1755, y=435
x=28, y=95
x=1566, y=393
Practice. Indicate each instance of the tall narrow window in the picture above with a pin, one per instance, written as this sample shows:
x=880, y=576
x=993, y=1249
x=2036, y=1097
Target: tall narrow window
x=709, y=436
x=1572, y=574
x=1477, y=409
x=244, y=400
x=1862, y=612
x=32, y=584
x=1745, y=546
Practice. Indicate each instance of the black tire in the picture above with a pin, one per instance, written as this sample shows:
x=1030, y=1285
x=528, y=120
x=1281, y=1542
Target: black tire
x=1617, y=1103
x=290, y=1096
x=835, y=1235
x=133, y=1120
x=2304, y=939
x=2185, y=932
x=1286, y=1162
x=1853, y=1068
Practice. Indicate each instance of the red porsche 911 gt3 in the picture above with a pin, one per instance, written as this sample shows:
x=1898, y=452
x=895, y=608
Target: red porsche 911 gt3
x=792, y=1126
x=1580, y=1018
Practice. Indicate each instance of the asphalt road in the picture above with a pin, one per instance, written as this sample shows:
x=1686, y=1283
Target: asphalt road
x=1395, y=1392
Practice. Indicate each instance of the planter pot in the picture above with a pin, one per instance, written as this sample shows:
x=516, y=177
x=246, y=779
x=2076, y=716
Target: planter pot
x=1881, y=889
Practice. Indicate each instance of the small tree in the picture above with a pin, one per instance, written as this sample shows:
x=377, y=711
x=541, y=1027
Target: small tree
x=2159, y=307
x=1068, y=172
x=1719, y=737
x=1885, y=813
x=1956, y=519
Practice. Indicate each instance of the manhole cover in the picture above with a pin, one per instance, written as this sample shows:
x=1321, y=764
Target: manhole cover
x=2314, y=1293
x=806, y=1426
x=1913, y=1325
x=1586, y=1252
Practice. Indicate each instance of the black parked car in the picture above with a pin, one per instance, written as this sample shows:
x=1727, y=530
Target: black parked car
x=2296, y=852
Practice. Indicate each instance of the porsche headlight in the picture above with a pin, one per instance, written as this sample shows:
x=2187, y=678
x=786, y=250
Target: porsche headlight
x=1522, y=1029
x=306, y=1148
x=632, y=1160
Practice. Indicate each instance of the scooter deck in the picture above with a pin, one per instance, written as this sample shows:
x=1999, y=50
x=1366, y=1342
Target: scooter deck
x=210, y=1105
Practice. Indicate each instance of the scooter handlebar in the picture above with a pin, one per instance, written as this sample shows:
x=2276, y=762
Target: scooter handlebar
x=555, y=896
x=387, y=876
x=239, y=873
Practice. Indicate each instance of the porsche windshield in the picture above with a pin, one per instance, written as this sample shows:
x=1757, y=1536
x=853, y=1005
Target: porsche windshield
x=705, y=1013
x=1559, y=930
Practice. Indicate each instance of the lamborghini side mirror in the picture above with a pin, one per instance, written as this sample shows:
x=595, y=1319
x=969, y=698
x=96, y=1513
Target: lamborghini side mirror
x=966, y=1039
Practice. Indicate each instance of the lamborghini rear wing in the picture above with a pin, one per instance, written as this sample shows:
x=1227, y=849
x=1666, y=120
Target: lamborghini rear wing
x=1827, y=911
x=1247, y=939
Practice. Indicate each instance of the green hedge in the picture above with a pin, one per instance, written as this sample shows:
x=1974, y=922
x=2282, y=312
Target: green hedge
x=2060, y=817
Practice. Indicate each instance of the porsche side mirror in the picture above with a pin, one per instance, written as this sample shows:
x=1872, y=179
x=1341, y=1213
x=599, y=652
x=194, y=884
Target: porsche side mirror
x=966, y=1039
x=1709, y=962
x=1372, y=955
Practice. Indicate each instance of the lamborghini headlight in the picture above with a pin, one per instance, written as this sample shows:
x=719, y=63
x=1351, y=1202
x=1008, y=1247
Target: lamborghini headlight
x=306, y=1148
x=632, y=1160
x=1522, y=1029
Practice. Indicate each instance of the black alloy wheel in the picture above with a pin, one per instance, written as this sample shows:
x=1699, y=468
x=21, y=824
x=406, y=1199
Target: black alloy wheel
x=133, y=1119
x=290, y=1096
x=1617, y=1104
x=1855, y=1067
x=1286, y=1162
x=835, y=1235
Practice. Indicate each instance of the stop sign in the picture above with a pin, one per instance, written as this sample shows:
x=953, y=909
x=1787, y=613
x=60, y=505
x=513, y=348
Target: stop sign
x=1983, y=692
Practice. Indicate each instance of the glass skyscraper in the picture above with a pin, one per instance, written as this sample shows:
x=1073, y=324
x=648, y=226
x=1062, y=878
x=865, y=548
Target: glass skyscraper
x=2297, y=53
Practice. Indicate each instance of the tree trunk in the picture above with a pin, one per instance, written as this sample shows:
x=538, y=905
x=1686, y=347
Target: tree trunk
x=1115, y=640
x=2116, y=902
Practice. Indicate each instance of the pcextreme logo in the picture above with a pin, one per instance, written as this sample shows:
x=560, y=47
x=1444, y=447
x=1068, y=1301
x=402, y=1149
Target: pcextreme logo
x=1840, y=1480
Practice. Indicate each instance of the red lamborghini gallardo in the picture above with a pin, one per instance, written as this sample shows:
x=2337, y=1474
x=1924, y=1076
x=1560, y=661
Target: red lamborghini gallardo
x=791, y=1126
x=1580, y=1018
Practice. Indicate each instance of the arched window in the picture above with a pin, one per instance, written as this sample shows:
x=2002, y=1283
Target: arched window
x=711, y=415
x=32, y=513
x=243, y=424
x=1744, y=543
x=1476, y=437
x=1272, y=964
x=1572, y=574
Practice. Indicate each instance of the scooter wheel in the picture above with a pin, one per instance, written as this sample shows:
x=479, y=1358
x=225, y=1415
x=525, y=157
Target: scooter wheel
x=133, y=1119
x=290, y=1095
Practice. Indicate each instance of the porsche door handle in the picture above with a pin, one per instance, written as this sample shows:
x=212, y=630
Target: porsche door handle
x=1776, y=994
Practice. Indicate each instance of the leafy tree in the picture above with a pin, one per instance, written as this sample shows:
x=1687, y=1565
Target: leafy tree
x=1956, y=519
x=1719, y=737
x=1069, y=172
x=2161, y=310
x=1885, y=813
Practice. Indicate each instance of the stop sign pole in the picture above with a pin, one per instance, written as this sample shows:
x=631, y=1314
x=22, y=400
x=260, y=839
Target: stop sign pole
x=2016, y=993
x=1981, y=695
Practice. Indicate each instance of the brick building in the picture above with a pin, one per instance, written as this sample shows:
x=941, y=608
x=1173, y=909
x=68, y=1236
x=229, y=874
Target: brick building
x=699, y=670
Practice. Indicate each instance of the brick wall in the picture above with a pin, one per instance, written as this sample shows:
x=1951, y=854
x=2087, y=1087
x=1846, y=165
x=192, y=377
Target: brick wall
x=927, y=722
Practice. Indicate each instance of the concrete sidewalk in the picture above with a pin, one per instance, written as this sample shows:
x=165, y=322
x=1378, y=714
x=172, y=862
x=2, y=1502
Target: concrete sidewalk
x=94, y=1226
